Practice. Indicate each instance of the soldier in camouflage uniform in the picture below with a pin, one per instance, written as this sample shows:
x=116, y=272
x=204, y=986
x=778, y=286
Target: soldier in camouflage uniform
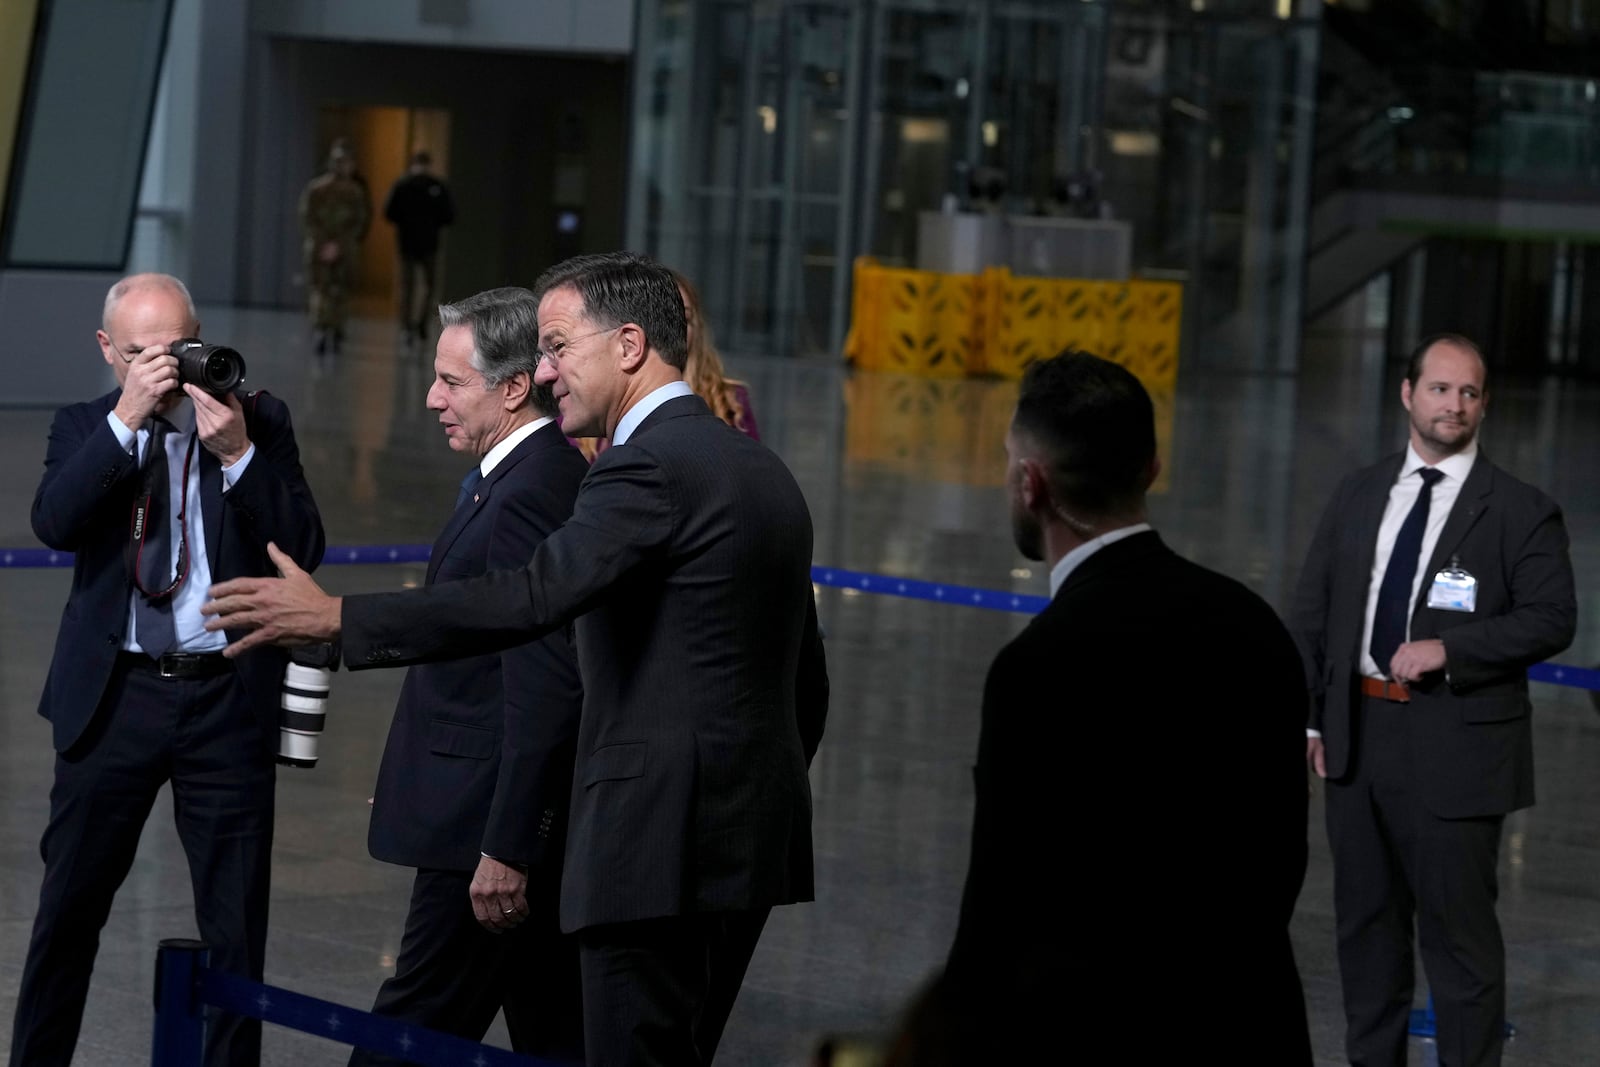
x=333, y=215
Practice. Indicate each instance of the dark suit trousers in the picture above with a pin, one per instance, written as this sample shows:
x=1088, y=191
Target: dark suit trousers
x=1392, y=859
x=416, y=290
x=203, y=736
x=657, y=993
x=454, y=976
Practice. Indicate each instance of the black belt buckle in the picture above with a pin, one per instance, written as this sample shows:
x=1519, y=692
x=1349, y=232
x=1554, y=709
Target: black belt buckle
x=191, y=664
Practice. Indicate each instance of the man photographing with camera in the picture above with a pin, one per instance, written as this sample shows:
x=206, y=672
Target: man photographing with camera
x=159, y=488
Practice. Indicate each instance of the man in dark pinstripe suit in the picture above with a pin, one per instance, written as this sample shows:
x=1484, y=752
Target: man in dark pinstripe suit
x=686, y=565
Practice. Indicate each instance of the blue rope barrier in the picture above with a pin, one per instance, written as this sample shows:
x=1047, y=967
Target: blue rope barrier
x=836, y=577
x=938, y=592
x=183, y=984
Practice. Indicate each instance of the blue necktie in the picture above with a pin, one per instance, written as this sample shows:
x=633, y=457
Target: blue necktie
x=153, y=616
x=469, y=485
x=1394, y=595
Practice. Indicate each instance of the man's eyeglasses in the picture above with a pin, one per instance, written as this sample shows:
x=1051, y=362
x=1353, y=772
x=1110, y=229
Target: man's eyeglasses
x=552, y=353
x=126, y=358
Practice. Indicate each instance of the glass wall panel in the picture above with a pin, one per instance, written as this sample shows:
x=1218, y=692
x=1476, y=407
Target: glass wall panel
x=1206, y=149
x=85, y=121
x=742, y=146
x=776, y=142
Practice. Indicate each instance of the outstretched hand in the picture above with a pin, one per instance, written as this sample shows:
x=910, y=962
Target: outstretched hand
x=288, y=610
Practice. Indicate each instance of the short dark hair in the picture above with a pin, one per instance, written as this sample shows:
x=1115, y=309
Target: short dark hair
x=1414, y=362
x=1096, y=426
x=505, y=338
x=619, y=287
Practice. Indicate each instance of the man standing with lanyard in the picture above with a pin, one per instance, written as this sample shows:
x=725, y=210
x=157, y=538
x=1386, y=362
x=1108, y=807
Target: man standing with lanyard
x=1434, y=581
x=158, y=498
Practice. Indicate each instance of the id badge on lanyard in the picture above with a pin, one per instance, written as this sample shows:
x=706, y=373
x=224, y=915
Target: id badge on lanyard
x=1453, y=589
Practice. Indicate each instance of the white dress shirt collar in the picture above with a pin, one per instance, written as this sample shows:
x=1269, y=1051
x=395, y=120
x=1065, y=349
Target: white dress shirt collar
x=1457, y=466
x=652, y=400
x=1072, y=560
x=491, y=459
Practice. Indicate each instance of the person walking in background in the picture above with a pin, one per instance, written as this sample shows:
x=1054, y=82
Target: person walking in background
x=343, y=144
x=334, y=214
x=419, y=206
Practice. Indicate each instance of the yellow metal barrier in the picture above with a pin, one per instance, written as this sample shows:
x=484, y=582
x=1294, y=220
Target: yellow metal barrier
x=952, y=431
x=996, y=323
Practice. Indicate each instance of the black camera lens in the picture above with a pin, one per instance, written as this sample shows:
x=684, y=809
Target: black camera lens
x=217, y=369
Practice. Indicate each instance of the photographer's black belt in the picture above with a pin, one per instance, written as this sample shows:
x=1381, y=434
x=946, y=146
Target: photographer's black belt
x=177, y=664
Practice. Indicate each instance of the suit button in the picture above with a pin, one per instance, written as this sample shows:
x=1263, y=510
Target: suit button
x=113, y=639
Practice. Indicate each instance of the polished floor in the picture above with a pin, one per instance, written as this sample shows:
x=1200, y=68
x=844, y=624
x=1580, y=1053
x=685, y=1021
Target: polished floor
x=903, y=478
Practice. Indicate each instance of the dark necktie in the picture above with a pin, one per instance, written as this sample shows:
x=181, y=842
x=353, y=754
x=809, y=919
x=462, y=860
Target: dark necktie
x=1394, y=595
x=469, y=485
x=153, y=615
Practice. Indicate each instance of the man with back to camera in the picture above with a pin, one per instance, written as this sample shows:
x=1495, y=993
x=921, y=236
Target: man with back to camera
x=687, y=567
x=1433, y=582
x=419, y=206
x=476, y=776
x=1189, y=829
x=138, y=691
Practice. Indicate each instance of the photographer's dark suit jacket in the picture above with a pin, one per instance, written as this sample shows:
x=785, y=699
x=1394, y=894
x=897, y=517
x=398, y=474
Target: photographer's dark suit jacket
x=82, y=506
x=1147, y=731
x=687, y=567
x=480, y=753
x=1473, y=728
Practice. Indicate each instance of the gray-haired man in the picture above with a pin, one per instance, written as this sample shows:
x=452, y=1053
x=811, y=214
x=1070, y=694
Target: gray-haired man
x=473, y=788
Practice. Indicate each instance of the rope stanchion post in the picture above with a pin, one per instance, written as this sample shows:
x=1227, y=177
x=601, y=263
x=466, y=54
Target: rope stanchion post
x=398, y=1038
x=179, y=1038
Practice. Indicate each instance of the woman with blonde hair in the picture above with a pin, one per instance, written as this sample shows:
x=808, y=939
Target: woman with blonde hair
x=728, y=398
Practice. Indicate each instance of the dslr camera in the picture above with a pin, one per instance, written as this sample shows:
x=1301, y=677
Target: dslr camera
x=217, y=369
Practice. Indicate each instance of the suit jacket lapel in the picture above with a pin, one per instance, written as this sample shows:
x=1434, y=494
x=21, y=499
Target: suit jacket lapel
x=1368, y=518
x=211, y=503
x=452, y=529
x=1469, y=507
x=543, y=437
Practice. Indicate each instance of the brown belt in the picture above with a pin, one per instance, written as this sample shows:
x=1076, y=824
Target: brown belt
x=1383, y=689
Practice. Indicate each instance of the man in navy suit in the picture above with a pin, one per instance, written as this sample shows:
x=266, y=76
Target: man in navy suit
x=474, y=784
x=1434, y=582
x=139, y=692
x=686, y=565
